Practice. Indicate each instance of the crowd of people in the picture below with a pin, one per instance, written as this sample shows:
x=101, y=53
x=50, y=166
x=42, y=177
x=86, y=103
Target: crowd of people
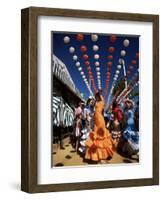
x=99, y=132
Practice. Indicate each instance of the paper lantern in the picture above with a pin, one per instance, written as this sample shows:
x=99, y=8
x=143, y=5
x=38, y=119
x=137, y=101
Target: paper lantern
x=97, y=69
x=111, y=49
x=75, y=57
x=137, y=55
x=133, y=62
x=77, y=64
x=96, y=56
x=118, y=66
x=80, y=37
x=123, y=53
x=97, y=63
x=71, y=49
x=87, y=63
x=131, y=67
x=98, y=73
x=83, y=48
x=128, y=72
x=110, y=57
x=95, y=48
x=117, y=72
x=109, y=64
x=80, y=68
x=89, y=68
x=120, y=61
x=81, y=72
x=116, y=75
x=85, y=57
x=94, y=37
x=126, y=42
x=66, y=39
x=114, y=78
x=113, y=38
x=83, y=76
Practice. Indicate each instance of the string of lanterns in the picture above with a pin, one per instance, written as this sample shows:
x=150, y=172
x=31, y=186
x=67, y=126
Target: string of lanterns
x=126, y=43
x=133, y=64
x=111, y=50
x=90, y=83
x=95, y=48
x=85, y=57
x=77, y=63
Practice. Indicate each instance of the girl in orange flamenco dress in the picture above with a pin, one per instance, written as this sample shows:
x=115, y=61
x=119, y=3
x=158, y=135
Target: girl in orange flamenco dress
x=100, y=145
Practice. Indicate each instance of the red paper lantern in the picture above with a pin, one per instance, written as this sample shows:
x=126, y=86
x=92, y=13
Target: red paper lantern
x=89, y=68
x=83, y=48
x=133, y=62
x=109, y=64
x=111, y=49
x=131, y=67
x=90, y=73
x=128, y=72
x=110, y=57
x=137, y=55
x=80, y=37
x=87, y=63
x=113, y=38
x=85, y=57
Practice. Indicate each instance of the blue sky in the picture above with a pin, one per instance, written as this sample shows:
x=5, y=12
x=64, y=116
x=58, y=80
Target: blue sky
x=61, y=50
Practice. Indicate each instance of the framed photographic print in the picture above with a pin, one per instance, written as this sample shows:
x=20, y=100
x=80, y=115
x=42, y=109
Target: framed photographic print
x=90, y=99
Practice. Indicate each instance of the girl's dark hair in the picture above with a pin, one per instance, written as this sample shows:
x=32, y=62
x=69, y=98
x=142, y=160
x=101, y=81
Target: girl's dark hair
x=97, y=96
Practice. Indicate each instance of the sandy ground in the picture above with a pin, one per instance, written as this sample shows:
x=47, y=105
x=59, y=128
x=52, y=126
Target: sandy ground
x=69, y=157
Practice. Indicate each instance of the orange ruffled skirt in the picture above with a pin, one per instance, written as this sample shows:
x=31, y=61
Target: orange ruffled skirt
x=99, y=146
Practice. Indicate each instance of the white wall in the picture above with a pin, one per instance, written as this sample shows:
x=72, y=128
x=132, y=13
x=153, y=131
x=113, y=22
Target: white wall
x=10, y=97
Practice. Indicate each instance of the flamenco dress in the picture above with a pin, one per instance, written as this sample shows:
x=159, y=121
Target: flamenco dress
x=130, y=135
x=99, y=145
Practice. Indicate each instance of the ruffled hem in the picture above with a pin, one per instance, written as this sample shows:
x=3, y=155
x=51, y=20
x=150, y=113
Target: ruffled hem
x=99, y=149
x=97, y=154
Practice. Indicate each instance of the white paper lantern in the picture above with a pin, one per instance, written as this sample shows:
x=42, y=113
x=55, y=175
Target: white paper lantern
x=120, y=61
x=66, y=39
x=118, y=66
x=123, y=53
x=126, y=42
x=98, y=73
x=75, y=57
x=81, y=72
x=83, y=76
x=96, y=56
x=115, y=79
x=71, y=49
x=117, y=72
x=80, y=68
x=97, y=69
x=116, y=75
x=97, y=63
x=95, y=48
x=77, y=64
x=94, y=37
